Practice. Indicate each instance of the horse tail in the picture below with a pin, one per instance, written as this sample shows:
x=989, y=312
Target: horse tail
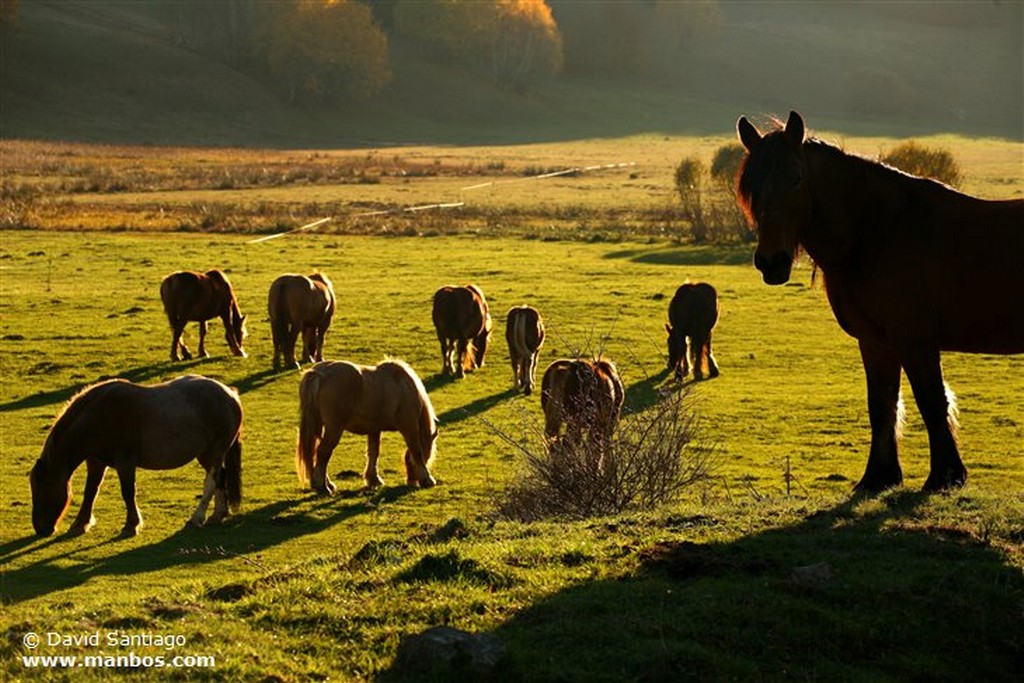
x=310, y=425
x=233, y=474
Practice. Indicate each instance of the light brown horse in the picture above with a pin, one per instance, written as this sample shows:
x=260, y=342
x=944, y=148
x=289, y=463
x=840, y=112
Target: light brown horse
x=586, y=395
x=692, y=315
x=126, y=426
x=191, y=296
x=300, y=303
x=337, y=396
x=911, y=267
x=524, y=332
x=463, y=323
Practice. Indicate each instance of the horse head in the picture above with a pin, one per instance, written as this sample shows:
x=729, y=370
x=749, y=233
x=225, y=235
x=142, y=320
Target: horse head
x=774, y=194
x=51, y=497
x=237, y=333
x=676, y=347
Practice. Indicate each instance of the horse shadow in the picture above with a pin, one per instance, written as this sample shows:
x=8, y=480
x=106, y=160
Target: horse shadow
x=859, y=590
x=646, y=392
x=241, y=536
x=142, y=373
x=686, y=256
x=474, y=408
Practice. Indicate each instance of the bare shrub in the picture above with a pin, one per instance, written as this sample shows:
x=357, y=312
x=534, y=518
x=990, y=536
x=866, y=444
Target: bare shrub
x=653, y=455
x=725, y=166
x=929, y=162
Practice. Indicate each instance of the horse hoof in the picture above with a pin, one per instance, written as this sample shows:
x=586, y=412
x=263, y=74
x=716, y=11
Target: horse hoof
x=129, y=532
x=953, y=479
x=186, y=355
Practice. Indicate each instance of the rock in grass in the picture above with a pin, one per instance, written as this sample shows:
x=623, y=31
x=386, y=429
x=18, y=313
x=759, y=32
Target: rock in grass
x=449, y=648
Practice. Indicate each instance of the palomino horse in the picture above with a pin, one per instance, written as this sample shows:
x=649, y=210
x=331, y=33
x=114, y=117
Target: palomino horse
x=335, y=396
x=190, y=296
x=298, y=303
x=126, y=426
x=911, y=266
x=463, y=324
x=524, y=332
x=585, y=395
x=692, y=315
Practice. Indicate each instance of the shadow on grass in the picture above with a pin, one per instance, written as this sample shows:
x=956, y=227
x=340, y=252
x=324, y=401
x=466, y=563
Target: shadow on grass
x=857, y=592
x=722, y=255
x=140, y=374
x=474, y=408
x=245, y=534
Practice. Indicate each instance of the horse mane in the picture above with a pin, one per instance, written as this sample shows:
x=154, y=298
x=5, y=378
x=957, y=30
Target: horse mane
x=426, y=407
x=320, y=277
x=71, y=411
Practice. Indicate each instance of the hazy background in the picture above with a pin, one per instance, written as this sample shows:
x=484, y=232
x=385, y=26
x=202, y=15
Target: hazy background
x=178, y=72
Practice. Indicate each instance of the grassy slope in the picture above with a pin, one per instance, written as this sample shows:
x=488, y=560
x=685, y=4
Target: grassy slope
x=108, y=71
x=281, y=581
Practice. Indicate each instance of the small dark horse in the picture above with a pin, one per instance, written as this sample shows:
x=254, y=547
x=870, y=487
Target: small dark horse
x=191, y=296
x=692, y=315
x=337, y=396
x=298, y=303
x=126, y=426
x=463, y=323
x=911, y=267
x=587, y=396
x=524, y=332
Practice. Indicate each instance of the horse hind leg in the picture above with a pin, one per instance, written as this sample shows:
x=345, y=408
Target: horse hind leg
x=133, y=518
x=371, y=475
x=85, y=519
x=202, y=340
x=210, y=488
x=712, y=364
x=320, y=480
x=882, y=370
x=178, y=343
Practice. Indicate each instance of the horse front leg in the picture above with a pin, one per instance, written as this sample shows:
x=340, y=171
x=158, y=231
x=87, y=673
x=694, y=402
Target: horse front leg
x=882, y=370
x=938, y=409
x=684, y=363
x=202, y=340
x=371, y=476
x=712, y=365
x=133, y=518
x=85, y=519
x=318, y=347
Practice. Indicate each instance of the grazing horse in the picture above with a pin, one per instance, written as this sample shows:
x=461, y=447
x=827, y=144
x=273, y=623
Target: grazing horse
x=524, y=332
x=126, y=426
x=911, y=268
x=463, y=323
x=190, y=296
x=298, y=303
x=692, y=315
x=335, y=396
x=585, y=395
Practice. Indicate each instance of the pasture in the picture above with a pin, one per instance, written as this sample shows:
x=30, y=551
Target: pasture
x=298, y=587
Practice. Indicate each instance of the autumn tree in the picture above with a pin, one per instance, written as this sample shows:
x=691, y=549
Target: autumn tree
x=516, y=41
x=324, y=50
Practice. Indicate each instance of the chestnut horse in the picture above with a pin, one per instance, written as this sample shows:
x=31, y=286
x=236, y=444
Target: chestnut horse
x=463, y=324
x=912, y=268
x=191, y=296
x=298, y=303
x=335, y=396
x=524, y=332
x=585, y=395
x=126, y=426
x=692, y=315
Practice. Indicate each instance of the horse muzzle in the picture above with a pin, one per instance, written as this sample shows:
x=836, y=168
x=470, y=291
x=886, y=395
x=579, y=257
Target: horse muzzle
x=775, y=269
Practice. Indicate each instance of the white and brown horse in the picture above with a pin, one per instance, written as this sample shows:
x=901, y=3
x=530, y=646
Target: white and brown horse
x=127, y=426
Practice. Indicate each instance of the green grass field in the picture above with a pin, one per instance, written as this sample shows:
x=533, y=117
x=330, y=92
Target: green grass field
x=298, y=587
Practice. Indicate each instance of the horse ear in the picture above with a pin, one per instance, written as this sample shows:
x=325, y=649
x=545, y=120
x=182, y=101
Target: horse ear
x=668, y=328
x=748, y=134
x=795, y=128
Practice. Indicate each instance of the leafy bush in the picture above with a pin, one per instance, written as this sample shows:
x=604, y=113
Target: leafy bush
x=929, y=162
x=653, y=455
x=725, y=165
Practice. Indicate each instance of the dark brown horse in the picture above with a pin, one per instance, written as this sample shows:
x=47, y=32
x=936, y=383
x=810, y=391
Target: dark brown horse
x=692, y=315
x=524, y=332
x=298, y=303
x=337, y=396
x=911, y=268
x=191, y=296
x=584, y=395
x=463, y=323
x=126, y=426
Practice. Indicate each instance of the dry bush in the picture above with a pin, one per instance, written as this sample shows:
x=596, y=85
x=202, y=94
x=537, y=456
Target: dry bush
x=708, y=197
x=928, y=162
x=654, y=454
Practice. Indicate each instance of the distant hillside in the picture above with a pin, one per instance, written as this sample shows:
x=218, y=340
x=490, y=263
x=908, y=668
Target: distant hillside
x=110, y=72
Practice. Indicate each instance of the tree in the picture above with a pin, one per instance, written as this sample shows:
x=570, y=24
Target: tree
x=323, y=50
x=517, y=41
